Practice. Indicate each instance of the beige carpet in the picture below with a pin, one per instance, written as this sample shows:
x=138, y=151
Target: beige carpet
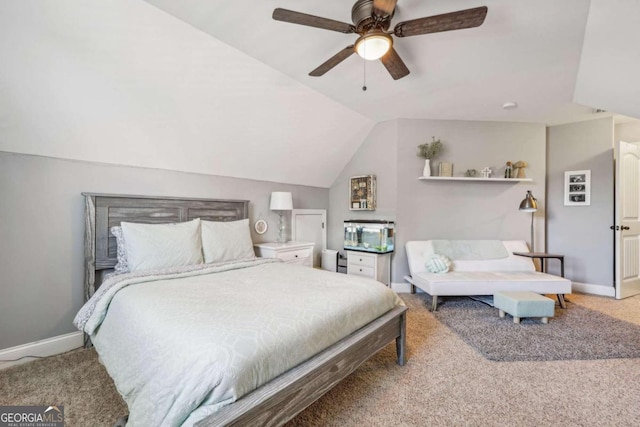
x=445, y=383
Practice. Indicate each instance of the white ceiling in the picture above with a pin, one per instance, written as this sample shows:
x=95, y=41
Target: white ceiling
x=526, y=51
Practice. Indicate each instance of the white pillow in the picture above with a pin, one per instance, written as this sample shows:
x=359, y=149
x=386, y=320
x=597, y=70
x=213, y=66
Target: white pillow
x=152, y=246
x=226, y=241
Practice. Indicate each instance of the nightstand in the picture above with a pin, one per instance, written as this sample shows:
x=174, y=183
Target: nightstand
x=300, y=253
x=375, y=266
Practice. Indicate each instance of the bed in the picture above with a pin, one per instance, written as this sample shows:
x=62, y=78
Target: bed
x=274, y=400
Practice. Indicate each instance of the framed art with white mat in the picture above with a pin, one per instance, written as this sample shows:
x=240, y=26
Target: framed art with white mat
x=577, y=188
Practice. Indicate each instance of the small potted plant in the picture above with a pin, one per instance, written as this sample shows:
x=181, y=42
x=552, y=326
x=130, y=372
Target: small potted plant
x=428, y=151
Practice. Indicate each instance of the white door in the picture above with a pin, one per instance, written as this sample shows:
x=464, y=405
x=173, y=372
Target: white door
x=627, y=226
x=309, y=225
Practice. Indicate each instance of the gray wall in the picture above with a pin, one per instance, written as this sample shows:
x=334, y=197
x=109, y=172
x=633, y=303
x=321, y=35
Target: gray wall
x=467, y=210
x=581, y=233
x=448, y=210
x=41, y=230
x=376, y=156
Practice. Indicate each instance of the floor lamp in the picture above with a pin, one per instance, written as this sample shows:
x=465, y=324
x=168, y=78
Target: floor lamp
x=529, y=204
x=281, y=201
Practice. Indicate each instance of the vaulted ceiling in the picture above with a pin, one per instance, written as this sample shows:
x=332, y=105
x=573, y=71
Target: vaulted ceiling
x=526, y=51
x=220, y=88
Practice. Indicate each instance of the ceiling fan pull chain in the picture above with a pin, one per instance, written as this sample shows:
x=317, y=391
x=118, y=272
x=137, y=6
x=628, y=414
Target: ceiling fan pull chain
x=364, y=74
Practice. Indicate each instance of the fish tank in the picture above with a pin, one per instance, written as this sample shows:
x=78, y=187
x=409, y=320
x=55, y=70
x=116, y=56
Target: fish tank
x=369, y=235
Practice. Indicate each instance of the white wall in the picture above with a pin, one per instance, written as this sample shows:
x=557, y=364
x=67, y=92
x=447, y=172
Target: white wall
x=627, y=132
x=42, y=230
x=581, y=233
x=122, y=82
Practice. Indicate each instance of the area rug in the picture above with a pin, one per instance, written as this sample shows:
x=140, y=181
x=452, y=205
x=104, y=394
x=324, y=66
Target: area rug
x=575, y=333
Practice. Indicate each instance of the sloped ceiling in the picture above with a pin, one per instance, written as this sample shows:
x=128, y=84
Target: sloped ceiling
x=526, y=51
x=123, y=82
x=609, y=70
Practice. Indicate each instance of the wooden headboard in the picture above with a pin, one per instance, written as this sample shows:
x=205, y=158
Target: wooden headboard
x=103, y=211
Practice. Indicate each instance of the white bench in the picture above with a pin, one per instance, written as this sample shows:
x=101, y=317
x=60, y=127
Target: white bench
x=482, y=275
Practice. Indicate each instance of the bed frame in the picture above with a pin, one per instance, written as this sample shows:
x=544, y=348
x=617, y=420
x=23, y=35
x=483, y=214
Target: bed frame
x=281, y=399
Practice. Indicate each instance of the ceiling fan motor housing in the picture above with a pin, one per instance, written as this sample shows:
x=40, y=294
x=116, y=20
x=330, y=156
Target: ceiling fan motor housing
x=363, y=17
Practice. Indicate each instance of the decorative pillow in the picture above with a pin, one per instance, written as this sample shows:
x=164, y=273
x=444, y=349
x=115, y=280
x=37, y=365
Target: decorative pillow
x=152, y=246
x=121, y=251
x=438, y=264
x=226, y=241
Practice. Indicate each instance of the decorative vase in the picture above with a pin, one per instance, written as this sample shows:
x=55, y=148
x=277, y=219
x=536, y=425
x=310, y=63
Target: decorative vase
x=427, y=168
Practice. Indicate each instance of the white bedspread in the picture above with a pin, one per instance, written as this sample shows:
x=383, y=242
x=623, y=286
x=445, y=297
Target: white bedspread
x=182, y=345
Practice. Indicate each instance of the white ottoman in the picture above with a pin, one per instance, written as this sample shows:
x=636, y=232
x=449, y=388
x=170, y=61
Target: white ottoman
x=524, y=304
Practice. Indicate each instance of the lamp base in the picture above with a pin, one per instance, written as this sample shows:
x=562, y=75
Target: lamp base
x=281, y=231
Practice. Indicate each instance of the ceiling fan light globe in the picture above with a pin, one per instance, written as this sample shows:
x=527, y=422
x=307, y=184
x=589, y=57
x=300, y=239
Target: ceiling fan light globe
x=373, y=46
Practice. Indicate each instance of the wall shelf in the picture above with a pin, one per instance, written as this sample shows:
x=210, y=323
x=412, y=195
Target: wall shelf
x=466, y=178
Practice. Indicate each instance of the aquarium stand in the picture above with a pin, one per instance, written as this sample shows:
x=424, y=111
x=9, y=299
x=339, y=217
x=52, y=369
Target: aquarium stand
x=375, y=266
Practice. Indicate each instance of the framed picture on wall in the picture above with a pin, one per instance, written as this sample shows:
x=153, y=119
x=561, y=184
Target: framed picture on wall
x=577, y=188
x=362, y=193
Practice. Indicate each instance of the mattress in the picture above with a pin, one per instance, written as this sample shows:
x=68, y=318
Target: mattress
x=182, y=343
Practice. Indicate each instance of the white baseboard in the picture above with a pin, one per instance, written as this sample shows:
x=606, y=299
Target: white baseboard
x=586, y=288
x=42, y=348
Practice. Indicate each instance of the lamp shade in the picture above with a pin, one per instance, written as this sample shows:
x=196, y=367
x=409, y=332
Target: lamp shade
x=529, y=203
x=281, y=201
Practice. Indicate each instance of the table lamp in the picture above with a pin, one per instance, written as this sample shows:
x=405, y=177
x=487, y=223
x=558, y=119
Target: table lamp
x=529, y=204
x=281, y=201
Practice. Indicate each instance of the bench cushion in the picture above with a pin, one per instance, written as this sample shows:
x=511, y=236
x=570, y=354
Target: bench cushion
x=524, y=304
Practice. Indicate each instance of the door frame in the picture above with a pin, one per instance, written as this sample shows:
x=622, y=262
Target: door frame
x=322, y=212
x=618, y=223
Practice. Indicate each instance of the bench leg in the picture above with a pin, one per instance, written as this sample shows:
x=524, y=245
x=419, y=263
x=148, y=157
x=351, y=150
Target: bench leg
x=434, y=303
x=413, y=288
x=545, y=320
x=516, y=320
x=561, y=301
x=502, y=313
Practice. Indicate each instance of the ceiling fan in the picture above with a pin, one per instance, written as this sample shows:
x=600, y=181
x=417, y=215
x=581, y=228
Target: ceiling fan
x=371, y=20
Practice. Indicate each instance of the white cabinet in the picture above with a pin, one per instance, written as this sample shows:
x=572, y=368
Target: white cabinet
x=375, y=266
x=291, y=252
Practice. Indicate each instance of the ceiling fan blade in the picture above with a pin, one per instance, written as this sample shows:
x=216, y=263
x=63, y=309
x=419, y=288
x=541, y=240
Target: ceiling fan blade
x=394, y=64
x=312, y=21
x=333, y=61
x=384, y=7
x=461, y=19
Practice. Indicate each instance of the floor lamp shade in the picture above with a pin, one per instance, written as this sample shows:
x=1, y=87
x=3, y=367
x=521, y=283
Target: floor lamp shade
x=529, y=204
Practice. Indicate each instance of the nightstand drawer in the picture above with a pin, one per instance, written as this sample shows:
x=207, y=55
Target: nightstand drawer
x=361, y=271
x=294, y=255
x=361, y=260
x=291, y=252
